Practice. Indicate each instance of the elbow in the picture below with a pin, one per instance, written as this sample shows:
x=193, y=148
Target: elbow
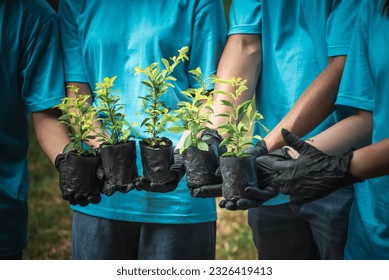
x=248, y=45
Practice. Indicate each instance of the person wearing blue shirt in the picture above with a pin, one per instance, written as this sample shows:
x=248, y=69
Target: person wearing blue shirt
x=31, y=75
x=364, y=87
x=111, y=38
x=291, y=51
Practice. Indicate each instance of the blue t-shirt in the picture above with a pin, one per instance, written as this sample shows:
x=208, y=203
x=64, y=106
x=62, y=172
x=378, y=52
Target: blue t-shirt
x=110, y=38
x=298, y=36
x=365, y=86
x=31, y=77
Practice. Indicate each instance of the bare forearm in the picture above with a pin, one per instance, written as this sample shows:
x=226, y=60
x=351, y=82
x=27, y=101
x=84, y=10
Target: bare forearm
x=242, y=57
x=314, y=105
x=371, y=161
x=52, y=137
x=352, y=132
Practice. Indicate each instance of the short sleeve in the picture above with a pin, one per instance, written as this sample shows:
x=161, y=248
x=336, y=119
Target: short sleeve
x=357, y=86
x=42, y=69
x=73, y=62
x=209, y=36
x=340, y=23
x=245, y=17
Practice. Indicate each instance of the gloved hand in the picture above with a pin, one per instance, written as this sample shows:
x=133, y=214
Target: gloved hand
x=314, y=174
x=67, y=190
x=177, y=171
x=200, y=183
x=254, y=196
x=78, y=181
x=118, y=169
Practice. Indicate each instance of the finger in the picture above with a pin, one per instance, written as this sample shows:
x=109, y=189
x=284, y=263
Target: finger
x=109, y=188
x=72, y=200
x=231, y=206
x=138, y=185
x=145, y=182
x=222, y=203
x=94, y=199
x=245, y=203
x=207, y=191
x=130, y=187
x=294, y=141
x=81, y=200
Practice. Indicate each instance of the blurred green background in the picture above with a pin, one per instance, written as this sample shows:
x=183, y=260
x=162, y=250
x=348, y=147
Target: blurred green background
x=50, y=217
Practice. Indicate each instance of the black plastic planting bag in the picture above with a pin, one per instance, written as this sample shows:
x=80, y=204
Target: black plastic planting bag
x=119, y=167
x=238, y=173
x=81, y=177
x=156, y=162
x=201, y=169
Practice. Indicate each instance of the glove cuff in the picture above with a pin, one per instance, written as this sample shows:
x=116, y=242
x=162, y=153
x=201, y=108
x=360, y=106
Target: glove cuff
x=261, y=148
x=211, y=134
x=59, y=160
x=346, y=160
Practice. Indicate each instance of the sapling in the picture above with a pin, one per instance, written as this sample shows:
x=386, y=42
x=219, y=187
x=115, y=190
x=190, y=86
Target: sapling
x=237, y=166
x=79, y=162
x=238, y=138
x=157, y=83
x=194, y=114
x=110, y=111
x=156, y=151
x=78, y=116
x=118, y=152
x=200, y=157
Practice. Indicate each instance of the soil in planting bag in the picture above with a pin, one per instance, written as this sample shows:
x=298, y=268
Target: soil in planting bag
x=160, y=172
x=201, y=169
x=81, y=177
x=119, y=167
x=254, y=196
x=238, y=173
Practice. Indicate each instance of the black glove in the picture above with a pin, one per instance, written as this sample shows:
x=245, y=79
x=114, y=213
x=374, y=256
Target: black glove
x=254, y=196
x=177, y=171
x=78, y=181
x=67, y=190
x=314, y=174
x=118, y=169
x=203, y=176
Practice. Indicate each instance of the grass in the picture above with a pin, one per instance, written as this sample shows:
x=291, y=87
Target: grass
x=50, y=218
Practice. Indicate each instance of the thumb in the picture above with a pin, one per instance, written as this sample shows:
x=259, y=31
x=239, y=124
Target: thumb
x=296, y=143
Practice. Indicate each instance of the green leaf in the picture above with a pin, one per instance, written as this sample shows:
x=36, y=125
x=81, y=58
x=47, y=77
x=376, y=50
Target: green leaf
x=242, y=108
x=147, y=83
x=176, y=129
x=225, y=142
x=69, y=147
x=228, y=154
x=166, y=63
x=227, y=103
x=187, y=142
x=202, y=146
